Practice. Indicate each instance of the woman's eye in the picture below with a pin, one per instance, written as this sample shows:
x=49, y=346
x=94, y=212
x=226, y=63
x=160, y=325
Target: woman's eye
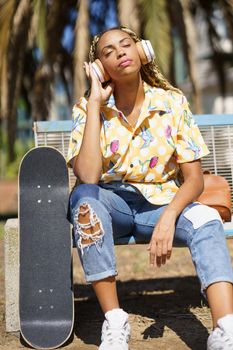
x=126, y=45
x=108, y=53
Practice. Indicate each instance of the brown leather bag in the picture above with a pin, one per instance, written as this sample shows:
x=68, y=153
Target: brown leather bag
x=217, y=194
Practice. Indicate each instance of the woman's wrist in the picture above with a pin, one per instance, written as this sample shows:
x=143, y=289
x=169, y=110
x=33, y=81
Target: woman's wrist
x=171, y=213
x=92, y=102
x=93, y=109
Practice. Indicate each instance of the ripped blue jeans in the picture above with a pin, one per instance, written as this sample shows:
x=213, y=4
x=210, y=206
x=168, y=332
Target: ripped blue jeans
x=101, y=216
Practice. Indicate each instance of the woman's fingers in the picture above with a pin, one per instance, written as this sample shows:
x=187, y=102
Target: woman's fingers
x=169, y=249
x=109, y=89
x=97, y=90
x=92, y=74
x=160, y=249
x=169, y=253
x=164, y=253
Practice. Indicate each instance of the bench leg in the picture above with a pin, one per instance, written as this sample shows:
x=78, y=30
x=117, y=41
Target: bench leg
x=11, y=254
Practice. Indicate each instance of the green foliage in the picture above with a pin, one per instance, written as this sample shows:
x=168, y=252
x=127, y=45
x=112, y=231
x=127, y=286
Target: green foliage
x=40, y=19
x=157, y=29
x=21, y=147
x=2, y=223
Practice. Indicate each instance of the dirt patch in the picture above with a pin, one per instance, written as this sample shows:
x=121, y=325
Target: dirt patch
x=165, y=306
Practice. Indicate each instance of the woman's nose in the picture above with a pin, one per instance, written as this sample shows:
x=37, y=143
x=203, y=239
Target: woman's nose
x=120, y=53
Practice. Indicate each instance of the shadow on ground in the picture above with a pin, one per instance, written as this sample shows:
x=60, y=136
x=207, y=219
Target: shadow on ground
x=165, y=301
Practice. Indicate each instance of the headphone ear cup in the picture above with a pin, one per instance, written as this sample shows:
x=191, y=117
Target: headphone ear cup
x=99, y=71
x=145, y=50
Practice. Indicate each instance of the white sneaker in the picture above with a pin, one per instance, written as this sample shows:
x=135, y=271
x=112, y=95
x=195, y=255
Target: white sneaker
x=222, y=337
x=115, y=331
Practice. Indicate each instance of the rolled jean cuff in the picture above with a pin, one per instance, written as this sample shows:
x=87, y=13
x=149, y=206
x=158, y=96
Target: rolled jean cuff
x=215, y=280
x=100, y=276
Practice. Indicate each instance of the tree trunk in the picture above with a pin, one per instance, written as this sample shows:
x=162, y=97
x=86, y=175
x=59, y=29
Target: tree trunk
x=44, y=77
x=7, y=10
x=214, y=40
x=128, y=15
x=188, y=35
x=227, y=6
x=15, y=55
x=171, y=74
x=157, y=28
x=81, y=49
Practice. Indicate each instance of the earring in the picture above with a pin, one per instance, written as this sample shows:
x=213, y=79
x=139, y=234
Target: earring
x=99, y=71
x=145, y=50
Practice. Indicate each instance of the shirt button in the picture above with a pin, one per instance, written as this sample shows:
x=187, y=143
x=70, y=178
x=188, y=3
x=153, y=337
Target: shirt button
x=133, y=137
x=131, y=165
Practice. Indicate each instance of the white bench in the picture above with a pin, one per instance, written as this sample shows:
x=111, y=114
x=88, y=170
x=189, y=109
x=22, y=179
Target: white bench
x=217, y=131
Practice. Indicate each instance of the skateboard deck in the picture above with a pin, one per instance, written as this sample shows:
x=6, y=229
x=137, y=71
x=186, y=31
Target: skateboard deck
x=46, y=309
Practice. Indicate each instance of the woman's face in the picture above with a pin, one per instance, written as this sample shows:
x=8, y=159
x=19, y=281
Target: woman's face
x=118, y=54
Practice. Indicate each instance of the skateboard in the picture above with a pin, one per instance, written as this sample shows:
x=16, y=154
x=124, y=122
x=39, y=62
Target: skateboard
x=46, y=307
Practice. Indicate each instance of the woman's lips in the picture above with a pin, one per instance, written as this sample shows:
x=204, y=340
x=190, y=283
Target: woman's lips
x=125, y=63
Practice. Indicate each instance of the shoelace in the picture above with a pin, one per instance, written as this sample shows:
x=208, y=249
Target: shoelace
x=111, y=335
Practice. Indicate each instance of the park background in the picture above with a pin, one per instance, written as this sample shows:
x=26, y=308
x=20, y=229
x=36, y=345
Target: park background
x=43, y=44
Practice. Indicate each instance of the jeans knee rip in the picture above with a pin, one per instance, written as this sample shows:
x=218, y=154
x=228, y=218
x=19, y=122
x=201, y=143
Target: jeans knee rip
x=88, y=227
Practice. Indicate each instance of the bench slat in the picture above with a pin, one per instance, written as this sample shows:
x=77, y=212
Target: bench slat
x=52, y=126
x=213, y=119
x=66, y=125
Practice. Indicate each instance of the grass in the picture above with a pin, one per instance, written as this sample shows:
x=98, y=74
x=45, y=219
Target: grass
x=2, y=223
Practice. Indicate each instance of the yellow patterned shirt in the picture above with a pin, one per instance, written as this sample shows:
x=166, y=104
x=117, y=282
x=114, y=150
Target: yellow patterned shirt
x=147, y=155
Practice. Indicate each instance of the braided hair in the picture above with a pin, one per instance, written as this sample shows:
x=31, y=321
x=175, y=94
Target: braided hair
x=150, y=72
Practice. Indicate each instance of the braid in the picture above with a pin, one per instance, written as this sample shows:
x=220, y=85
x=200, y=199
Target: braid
x=152, y=75
x=150, y=72
x=93, y=48
x=131, y=33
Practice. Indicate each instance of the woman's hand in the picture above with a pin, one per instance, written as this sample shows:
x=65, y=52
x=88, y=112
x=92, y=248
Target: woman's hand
x=160, y=246
x=98, y=93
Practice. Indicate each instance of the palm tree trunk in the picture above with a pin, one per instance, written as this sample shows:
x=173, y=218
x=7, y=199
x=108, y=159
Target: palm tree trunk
x=171, y=65
x=214, y=39
x=15, y=55
x=157, y=28
x=44, y=77
x=128, y=15
x=81, y=48
x=188, y=35
x=227, y=6
x=7, y=10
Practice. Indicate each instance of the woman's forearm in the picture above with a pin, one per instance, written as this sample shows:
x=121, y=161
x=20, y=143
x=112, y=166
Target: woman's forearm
x=88, y=164
x=188, y=192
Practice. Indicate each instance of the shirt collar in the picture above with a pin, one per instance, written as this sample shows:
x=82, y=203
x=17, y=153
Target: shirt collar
x=152, y=102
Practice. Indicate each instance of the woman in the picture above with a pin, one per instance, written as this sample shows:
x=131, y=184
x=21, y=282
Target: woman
x=130, y=137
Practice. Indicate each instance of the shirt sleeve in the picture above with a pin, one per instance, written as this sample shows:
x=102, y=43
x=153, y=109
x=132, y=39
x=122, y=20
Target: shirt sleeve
x=190, y=144
x=78, y=125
